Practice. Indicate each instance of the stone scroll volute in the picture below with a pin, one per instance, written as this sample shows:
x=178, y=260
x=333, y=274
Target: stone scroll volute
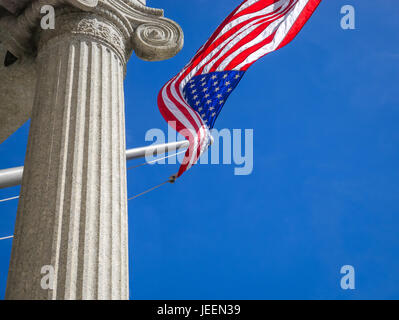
x=143, y=30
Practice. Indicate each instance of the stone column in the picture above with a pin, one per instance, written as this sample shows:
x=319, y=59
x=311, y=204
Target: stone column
x=71, y=228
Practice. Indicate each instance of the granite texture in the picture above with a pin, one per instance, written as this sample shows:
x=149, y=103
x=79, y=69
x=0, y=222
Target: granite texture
x=13, y=6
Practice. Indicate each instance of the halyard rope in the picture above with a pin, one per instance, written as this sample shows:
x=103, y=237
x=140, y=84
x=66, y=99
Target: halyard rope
x=172, y=179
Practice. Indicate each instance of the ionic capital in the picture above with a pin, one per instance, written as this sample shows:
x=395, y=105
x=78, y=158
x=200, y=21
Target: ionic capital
x=124, y=25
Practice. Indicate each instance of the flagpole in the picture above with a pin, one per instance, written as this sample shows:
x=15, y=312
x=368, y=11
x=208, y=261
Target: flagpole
x=13, y=176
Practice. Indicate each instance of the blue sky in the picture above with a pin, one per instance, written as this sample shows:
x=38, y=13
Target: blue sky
x=324, y=190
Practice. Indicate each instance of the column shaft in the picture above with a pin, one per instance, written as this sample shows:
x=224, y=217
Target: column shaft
x=72, y=213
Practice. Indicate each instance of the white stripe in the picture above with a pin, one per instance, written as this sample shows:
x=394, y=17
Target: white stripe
x=280, y=35
x=282, y=3
x=262, y=36
x=193, y=153
x=204, y=131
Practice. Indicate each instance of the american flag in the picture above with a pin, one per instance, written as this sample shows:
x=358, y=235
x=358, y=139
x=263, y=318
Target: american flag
x=192, y=100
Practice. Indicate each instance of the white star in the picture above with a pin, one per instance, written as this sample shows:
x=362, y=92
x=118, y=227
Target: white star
x=197, y=103
x=209, y=102
x=215, y=83
x=195, y=97
x=219, y=96
x=237, y=76
x=213, y=114
x=203, y=79
x=217, y=89
x=191, y=81
x=200, y=109
x=229, y=90
x=225, y=76
x=192, y=86
x=194, y=91
x=214, y=77
x=205, y=90
x=221, y=102
x=207, y=95
x=228, y=83
x=203, y=115
x=203, y=84
x=211, y=108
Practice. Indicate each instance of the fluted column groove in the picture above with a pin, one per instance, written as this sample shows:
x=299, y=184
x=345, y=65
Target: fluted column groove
x=76, y=196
